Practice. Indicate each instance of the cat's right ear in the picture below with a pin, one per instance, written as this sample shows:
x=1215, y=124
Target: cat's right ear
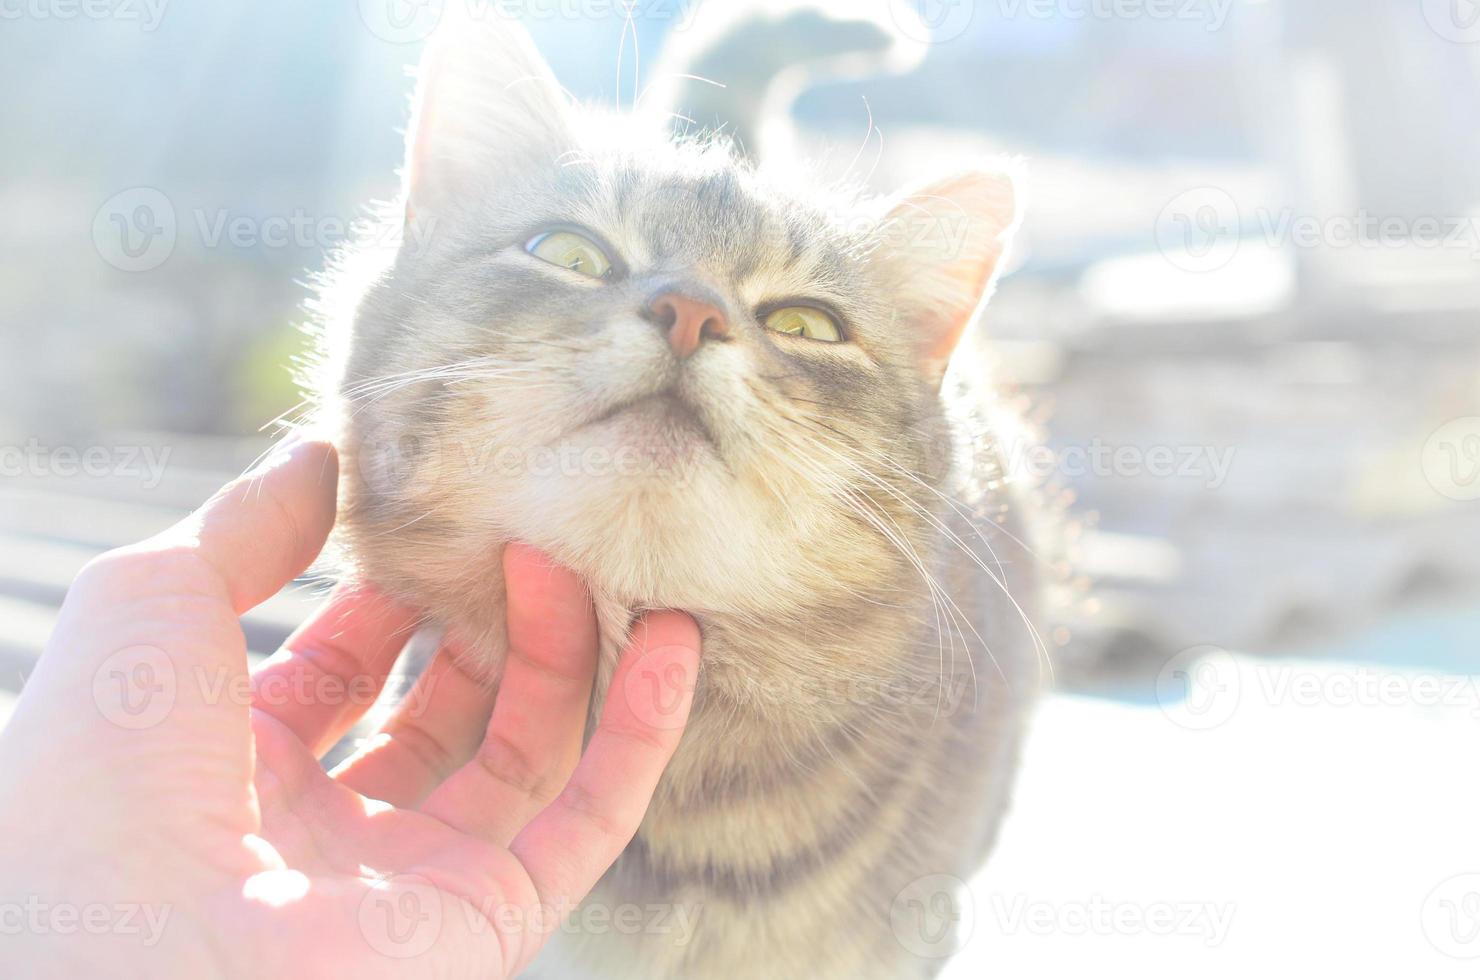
x=486, y=104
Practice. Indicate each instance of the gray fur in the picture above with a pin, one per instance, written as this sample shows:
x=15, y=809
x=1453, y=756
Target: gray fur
x=823, y=512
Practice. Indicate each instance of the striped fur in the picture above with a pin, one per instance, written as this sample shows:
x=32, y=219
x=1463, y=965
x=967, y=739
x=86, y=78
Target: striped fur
x=833, y=515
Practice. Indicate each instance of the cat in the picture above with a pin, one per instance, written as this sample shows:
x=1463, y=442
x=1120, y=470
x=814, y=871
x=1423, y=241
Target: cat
x=707, y=385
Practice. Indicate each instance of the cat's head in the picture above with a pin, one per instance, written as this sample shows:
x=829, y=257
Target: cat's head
x=697, y=383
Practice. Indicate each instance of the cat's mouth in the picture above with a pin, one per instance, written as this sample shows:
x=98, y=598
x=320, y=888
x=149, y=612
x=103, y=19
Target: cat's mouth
x=664, y=414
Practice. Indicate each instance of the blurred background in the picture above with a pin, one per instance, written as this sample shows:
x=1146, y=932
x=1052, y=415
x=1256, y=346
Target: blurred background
x=1245, y=308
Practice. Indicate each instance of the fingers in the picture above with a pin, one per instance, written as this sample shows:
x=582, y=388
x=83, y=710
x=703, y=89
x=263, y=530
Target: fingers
x=434, y=730
x=148, y=647
x=331, y=669
x=572, y=842
x=261, y=531
x=534, y=737
x=167, y=606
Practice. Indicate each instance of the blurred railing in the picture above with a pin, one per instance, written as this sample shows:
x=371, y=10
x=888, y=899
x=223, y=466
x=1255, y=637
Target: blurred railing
x=63, y=504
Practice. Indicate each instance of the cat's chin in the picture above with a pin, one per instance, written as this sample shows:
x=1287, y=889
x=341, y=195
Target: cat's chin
x=640, y=447
x=660, y=431
x=667, y=524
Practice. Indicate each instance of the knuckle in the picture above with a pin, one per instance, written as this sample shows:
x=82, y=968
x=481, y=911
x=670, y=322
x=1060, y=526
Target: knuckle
x=509, y=764
x=330, y=658
x=642, y=737
x=423, y=746
x=174, y=569
x=578, y=800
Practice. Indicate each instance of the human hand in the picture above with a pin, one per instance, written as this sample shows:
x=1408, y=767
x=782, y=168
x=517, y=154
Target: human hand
x=161, y=816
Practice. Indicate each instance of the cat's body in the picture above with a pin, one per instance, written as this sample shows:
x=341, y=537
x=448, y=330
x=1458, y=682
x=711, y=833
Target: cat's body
x=816, y=828
x=831, y=512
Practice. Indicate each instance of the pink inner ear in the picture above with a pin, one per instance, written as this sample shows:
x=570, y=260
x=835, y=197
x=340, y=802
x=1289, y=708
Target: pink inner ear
x=486, y=100
x=952, y=233
x=974, y=281
x=423, y=124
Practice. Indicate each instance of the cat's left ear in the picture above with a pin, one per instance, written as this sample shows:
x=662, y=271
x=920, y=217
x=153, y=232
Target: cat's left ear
x=942, y=251
x=487, y=106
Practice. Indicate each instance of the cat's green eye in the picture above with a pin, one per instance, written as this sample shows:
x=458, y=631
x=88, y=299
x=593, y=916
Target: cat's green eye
x=570, y=251
x=804, y=321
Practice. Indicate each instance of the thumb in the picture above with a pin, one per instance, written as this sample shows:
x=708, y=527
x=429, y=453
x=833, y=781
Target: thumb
x=148, y=634
x=263, y=529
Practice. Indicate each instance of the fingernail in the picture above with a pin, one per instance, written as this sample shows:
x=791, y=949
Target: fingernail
x=295, y=446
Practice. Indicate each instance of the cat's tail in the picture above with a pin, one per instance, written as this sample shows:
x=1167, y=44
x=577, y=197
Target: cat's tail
x=736, y=68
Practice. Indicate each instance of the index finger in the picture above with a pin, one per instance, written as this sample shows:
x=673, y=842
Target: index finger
x=148, y=634
x=261, y=531
x=574, y=840
x=329, y=672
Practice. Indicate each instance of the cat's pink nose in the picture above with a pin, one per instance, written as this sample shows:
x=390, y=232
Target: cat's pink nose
x=688, y=321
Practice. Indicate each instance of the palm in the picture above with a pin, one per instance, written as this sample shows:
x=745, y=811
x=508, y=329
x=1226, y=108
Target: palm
x=439, y=849
x=429, y=899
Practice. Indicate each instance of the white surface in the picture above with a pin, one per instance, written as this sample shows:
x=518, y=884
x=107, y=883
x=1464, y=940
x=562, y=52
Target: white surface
x=1315, y=820
x=1320, y=815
